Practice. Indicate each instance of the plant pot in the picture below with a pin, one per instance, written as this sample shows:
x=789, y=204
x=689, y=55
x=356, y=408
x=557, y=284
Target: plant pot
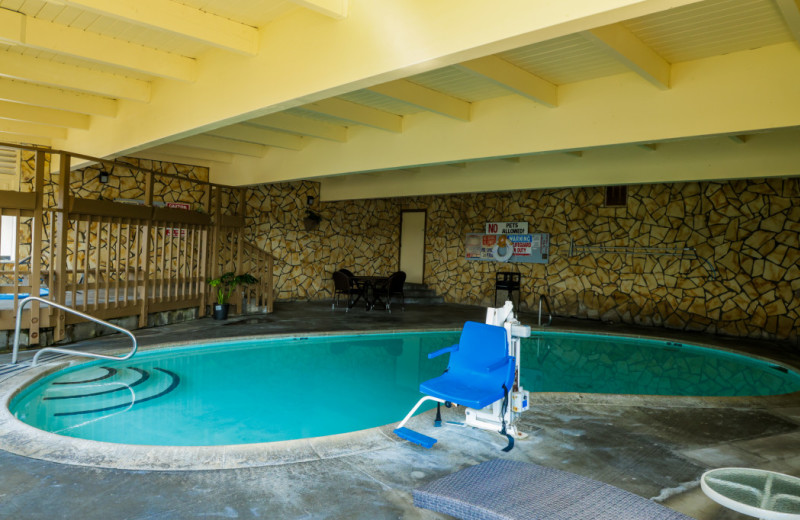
x=221, y=311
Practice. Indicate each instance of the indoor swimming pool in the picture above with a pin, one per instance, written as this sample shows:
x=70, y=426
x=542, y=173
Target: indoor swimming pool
x=277, y=389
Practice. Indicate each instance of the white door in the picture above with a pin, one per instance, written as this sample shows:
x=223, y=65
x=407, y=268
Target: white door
x=412, y=245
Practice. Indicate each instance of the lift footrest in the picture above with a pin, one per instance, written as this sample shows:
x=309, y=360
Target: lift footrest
x=415, y=437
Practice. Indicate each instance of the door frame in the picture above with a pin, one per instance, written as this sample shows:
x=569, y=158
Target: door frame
x=424, y=237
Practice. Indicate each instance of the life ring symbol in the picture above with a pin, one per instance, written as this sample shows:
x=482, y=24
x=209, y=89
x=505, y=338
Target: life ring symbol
x=503, y=242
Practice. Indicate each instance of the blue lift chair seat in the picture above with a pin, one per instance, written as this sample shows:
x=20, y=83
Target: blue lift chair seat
x=479, y=373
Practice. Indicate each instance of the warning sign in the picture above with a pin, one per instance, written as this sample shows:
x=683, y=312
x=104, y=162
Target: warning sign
x=516, y=247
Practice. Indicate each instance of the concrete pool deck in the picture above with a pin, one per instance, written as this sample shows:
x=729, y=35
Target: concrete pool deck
x=651, y=447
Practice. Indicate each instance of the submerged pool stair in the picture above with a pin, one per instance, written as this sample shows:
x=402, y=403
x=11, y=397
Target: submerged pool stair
x=109, y=389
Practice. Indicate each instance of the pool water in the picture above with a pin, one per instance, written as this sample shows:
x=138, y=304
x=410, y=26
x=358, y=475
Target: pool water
x=564, y=362
x=239, y=393
x=280, y=389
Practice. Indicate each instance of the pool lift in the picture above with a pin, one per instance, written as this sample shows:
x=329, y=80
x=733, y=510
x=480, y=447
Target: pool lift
x=498, y=414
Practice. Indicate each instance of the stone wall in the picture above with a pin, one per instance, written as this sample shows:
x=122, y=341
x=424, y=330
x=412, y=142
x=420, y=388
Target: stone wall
x=748, y=230
x=123, y=182
x=361, y=236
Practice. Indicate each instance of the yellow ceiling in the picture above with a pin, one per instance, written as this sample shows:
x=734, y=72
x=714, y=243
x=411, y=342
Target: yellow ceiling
x=276, y=90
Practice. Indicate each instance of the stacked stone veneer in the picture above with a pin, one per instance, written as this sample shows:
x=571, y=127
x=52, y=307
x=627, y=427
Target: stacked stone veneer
x=362, y=236
x=748, y=230
x=123, y=183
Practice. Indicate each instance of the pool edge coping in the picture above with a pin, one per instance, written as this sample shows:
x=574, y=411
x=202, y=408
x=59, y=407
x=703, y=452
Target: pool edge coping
x=25, y=440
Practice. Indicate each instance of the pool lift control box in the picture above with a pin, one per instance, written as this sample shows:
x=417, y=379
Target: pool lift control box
x=505, y=412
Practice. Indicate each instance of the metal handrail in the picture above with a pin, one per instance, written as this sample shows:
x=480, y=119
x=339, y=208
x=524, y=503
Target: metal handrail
x=689, y=252
x=24, y=302
x=543, y=298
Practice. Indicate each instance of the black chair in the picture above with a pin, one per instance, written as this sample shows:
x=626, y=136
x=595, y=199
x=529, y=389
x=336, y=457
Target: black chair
x=394, y=285
x=350, y=276
x=342, y=284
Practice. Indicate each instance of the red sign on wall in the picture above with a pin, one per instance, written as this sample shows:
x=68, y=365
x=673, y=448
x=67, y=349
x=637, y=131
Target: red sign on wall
x=174, y=232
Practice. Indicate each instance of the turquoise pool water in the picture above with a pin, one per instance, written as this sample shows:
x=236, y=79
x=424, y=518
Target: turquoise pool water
x=279, y=389
x=563, y=362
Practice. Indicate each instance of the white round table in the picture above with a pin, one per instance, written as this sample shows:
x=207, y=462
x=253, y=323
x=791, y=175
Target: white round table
x=755, y=492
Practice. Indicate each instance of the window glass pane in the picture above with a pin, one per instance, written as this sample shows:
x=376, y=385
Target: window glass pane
x=8, y=239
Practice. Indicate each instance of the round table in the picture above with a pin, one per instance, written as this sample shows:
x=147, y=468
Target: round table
x=755, y=492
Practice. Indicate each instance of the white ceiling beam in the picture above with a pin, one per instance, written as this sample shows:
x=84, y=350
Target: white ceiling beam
x=25, y=128
x=220, y=144
x=45, y=116
x=772, y=155
x=48, y=97
x=336, y=9
x=698, y=107
x=12, y=27
x=302, y=126
x=60, y=39
x=178, y=19
x=258, y=135
x=513, y=78
x=150, y=155
x=358, y=114
x=231, y=89
x=11, y=137
x=425, y=98
x=188, y=153
x=622, y=45
x=46, y=72
x=790, y=9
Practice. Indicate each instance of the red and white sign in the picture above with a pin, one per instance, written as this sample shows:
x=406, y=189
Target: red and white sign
x=506, y=228
x=174, y=232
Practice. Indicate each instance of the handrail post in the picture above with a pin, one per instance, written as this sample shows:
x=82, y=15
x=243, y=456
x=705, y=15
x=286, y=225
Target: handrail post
x=15, y=351
x=35, y=272
x=148, y=270
x=60, y=269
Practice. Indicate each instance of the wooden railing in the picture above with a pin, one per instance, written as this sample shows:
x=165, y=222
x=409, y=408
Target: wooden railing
x=112, y=259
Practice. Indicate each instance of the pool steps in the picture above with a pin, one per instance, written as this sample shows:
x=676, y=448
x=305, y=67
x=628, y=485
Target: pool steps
x=415, y=437
x=120, y=389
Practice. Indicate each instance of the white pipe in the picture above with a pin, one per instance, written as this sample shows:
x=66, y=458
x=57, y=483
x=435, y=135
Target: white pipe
x=411, y=413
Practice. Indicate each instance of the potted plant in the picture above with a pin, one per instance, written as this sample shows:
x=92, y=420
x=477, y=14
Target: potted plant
x=225, y=285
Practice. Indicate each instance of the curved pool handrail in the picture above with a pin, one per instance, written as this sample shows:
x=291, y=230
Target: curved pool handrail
x=25, y=301
x=543, y=298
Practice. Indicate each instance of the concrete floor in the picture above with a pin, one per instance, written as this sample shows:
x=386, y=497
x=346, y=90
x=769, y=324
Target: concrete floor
x=656, y=448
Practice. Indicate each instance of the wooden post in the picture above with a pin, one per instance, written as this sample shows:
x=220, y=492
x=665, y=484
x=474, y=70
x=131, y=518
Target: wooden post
x=202, y=263
x=87, y=244
x=215, y=253
x=120, y=264
x=238, y=262
x=60, y=269
x=36, y=247
x=270, y=284
x=145, y=242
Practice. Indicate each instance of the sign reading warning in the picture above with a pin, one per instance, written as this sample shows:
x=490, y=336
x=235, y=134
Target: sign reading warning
x=514, y=247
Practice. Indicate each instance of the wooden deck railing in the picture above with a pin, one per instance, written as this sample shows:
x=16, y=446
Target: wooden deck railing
x=111, y=259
